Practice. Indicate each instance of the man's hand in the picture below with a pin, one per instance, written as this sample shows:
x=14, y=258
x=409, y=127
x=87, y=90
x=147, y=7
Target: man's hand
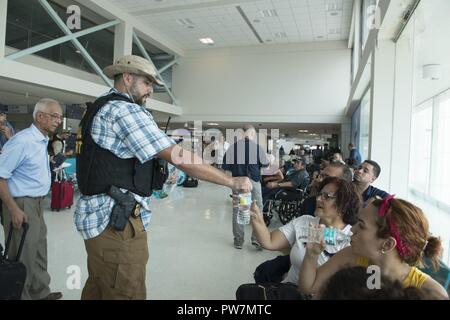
x=18, y=217
x=241, y=184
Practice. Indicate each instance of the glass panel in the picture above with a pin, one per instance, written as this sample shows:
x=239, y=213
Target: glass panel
x=440, y=184
x=28, y=24
x=420, y=157
x=364, y=138
x=16, y=36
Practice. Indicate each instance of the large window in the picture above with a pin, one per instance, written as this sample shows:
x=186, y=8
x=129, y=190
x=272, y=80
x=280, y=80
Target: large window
x=421, y=138
x=364, y=137
x=430, y=151
x=28, y=24
x=440, y=179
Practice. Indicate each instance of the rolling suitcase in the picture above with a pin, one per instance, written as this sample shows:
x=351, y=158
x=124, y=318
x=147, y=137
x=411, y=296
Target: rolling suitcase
x=12, y=272
x=62, y=192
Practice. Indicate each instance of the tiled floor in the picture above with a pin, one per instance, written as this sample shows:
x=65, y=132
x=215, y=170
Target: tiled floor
x=191, y=248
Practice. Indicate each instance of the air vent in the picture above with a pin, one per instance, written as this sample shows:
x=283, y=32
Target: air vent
x=280, y=35
x=269, y=13
x=333, y=7
x=185, y=22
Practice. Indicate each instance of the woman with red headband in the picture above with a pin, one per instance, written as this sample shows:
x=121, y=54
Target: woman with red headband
x=391, y=234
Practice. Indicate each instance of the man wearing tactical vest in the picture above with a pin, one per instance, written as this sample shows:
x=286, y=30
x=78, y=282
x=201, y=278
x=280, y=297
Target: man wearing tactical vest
x=115, y=169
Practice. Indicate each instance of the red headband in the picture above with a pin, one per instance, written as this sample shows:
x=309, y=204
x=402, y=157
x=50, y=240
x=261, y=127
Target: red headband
x=402, y=248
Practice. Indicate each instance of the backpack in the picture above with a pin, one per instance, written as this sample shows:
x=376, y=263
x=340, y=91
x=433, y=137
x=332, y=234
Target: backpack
x=190, y=182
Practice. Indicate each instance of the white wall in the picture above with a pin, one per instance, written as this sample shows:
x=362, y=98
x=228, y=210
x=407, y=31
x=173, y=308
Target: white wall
x=283, y=83
x=431, y=46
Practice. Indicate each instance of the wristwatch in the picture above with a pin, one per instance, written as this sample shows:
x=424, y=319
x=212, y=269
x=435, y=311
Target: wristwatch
x=279, y=185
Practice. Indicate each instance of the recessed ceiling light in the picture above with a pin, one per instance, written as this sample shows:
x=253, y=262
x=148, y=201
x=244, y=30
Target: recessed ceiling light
x=269, y=13
x=212, y=124
x=303, y=131
x=206, y=41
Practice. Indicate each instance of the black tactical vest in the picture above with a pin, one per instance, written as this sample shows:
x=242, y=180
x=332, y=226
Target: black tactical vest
x=98, y=168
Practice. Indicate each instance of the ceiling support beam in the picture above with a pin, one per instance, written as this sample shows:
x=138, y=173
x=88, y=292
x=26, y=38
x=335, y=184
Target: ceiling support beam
x=147, y=56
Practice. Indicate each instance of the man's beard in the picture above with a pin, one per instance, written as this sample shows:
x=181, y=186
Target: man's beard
x=138, y=99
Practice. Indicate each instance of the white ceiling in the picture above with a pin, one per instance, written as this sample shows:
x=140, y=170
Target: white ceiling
x=316, y=131
x=224, y=20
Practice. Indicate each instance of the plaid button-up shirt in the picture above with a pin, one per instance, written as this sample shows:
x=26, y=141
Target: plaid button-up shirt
x=127, y=130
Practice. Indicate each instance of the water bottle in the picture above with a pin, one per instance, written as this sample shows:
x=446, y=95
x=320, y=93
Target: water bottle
x=331, y=236
x=245, y=201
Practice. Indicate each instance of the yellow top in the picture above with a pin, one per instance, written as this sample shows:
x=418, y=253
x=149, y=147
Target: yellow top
x=415, y=277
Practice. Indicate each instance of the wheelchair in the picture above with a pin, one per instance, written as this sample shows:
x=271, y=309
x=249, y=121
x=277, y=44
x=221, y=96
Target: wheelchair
x=286, y=204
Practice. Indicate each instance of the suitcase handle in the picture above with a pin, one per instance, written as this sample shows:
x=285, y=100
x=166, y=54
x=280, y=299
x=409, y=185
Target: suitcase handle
x=25, y=227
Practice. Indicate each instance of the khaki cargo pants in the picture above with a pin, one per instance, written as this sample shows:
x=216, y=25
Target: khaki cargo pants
x=117, y=263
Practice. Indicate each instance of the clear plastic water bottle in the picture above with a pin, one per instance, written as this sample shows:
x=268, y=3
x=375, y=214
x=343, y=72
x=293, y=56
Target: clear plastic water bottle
x=308, y=231
x=245, y=201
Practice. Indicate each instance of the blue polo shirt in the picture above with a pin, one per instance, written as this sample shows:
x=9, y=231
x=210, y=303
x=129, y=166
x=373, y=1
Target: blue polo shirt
x=24, y=164
x=245, y=158
x=372, y=192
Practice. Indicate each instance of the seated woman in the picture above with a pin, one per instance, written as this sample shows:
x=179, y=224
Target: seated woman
x=337, y=206
x=392, y=234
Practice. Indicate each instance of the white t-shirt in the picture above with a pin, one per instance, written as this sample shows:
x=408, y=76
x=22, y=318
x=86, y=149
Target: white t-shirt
x=298, y=250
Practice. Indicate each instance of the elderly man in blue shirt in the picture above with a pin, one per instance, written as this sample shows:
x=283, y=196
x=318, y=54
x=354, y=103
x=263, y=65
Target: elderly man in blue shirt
x=24, y=182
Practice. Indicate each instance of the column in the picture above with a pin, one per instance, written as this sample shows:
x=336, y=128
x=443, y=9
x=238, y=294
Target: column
x=123, y=40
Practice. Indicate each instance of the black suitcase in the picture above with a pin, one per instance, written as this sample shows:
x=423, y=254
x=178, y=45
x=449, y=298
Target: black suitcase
x=12, y=273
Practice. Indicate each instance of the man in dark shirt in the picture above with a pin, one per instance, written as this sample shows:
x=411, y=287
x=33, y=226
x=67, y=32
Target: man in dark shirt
x=245, y=158
x=364, y=176
x=299, y=179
